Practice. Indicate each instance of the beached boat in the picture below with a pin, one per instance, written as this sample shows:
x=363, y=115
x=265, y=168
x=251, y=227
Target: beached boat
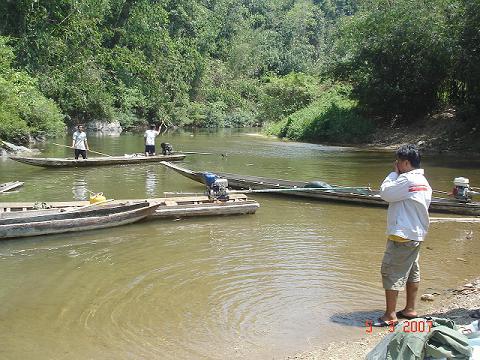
x=173, y=207
x=359, y=196
x=96, y=161
x=104, y=216
x=10, y=186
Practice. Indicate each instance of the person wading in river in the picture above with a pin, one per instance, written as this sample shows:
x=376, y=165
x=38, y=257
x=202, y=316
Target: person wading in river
x=150, y=136
x=80, y=144
x=408, y=195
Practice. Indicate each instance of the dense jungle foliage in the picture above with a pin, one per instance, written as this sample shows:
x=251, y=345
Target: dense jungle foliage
x=310, y=69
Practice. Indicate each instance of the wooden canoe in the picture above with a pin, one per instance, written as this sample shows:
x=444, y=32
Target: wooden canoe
x=174, y=207
x=360, y=197
x=75, y=223
x=24, y=217
x=95, y=161
x=10, y=186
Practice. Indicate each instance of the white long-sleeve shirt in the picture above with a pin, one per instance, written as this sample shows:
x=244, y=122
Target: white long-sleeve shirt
x=409, y=196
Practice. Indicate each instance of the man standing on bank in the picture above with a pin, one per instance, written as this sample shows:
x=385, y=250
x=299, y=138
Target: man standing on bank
x=408, y=195
x=80, y=144
x=150, y=136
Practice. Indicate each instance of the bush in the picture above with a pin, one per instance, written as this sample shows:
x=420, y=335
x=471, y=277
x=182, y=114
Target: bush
x=23, y=109
x=332, y=118
x=240, y=118
x=12, y=127
x=285, y=95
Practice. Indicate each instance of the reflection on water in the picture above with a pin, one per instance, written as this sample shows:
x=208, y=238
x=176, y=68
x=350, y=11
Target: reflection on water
x=79, y=189
x=296, y=274
x=150, y=182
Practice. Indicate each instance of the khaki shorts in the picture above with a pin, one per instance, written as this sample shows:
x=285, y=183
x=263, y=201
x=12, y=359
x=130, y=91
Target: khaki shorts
x=400, y=265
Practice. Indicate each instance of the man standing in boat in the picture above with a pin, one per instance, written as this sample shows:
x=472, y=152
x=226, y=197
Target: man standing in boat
x=409, y=195
x=80, y=144
x=150, y=136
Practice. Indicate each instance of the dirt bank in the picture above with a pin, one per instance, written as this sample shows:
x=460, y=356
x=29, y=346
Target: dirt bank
x=458, y=305
x=441, y=132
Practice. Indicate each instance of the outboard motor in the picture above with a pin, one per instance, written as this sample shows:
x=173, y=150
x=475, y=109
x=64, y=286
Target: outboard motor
x=217, y=188
x=167, y=149
x=461, y=189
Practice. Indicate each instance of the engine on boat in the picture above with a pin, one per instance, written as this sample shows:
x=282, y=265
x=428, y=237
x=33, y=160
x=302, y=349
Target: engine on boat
x=167, y=149
x=217, y=188
x=461, y=189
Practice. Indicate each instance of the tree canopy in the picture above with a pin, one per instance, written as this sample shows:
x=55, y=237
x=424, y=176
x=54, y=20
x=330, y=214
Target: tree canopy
x=242, y=63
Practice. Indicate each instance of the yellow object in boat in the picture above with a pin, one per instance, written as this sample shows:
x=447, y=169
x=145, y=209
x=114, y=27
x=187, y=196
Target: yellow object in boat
x=96, y=198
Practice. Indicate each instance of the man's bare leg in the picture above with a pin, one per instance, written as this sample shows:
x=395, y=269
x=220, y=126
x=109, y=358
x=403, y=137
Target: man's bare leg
x=412, y=290
x=391, y=297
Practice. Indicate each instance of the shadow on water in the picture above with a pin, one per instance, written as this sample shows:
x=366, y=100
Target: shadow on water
x=356, y=318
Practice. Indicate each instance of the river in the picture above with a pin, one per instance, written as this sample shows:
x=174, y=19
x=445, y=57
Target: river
x=296, y=274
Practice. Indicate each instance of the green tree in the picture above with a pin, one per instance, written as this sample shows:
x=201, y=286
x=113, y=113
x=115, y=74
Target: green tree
x=23, y=109
x=465, y=85
x=397, y=55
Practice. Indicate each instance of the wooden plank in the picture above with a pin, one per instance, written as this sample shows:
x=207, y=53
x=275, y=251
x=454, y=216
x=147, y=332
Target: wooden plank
x=10, y=186
x=213, y=209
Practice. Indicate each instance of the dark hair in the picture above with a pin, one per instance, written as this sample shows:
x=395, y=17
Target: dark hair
x=409, y=152
x=152, y=126
x=79, y=126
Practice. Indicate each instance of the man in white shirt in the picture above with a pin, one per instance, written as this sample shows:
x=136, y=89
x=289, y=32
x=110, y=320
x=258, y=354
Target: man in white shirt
x=409, y=195
x=150, y=136
x=80, y=144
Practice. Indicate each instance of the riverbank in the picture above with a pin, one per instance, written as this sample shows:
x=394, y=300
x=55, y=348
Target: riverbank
x=441, y=132
x=457, y=304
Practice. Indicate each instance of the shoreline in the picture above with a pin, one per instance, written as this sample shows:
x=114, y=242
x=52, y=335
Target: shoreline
x=383, y=146
x=456, y=304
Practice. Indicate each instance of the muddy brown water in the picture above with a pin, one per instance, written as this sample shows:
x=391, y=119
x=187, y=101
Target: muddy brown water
x=297, y=274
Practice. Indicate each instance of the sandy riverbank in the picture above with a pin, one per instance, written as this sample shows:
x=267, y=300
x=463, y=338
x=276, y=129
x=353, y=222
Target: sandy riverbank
x=457, y=304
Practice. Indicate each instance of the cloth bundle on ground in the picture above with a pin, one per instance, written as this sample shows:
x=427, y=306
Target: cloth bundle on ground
x=443, y=340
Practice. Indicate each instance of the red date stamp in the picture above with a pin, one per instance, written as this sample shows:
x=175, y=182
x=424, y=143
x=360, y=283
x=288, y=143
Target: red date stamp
x=407, y=326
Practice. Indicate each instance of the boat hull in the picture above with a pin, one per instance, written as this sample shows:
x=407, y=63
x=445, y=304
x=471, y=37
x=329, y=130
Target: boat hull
x=91, y=210
x=241, y=182
x=95, y=161
x=75, y=224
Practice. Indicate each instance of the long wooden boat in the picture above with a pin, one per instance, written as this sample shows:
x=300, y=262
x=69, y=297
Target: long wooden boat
x=95, y=161
x=75, y=223
x=10, y=186
x=24, y=217
x=174, y=207
x=358, y=197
